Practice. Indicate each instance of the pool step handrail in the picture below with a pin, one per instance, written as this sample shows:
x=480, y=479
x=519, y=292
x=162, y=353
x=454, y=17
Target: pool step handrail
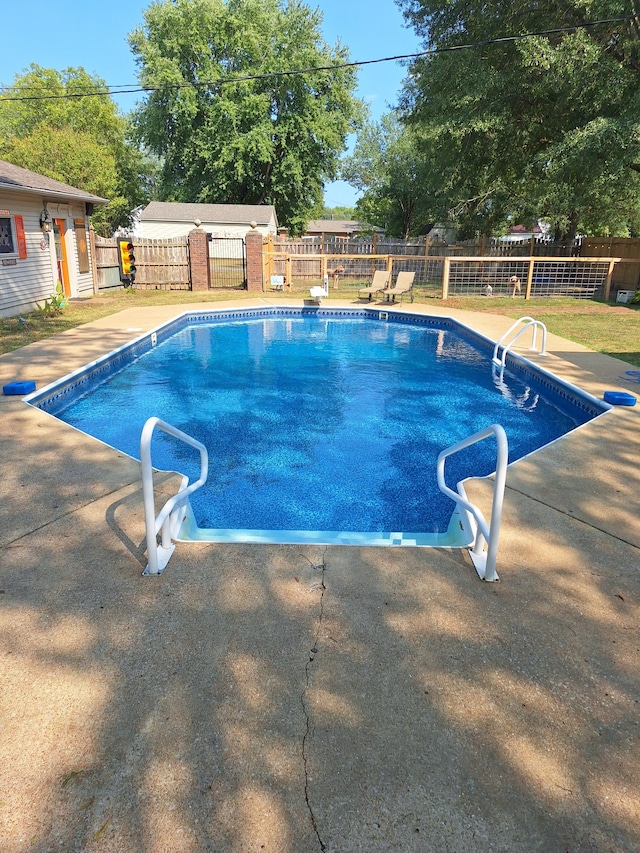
x=530, y=323
x=173, y=513
x=485, y=547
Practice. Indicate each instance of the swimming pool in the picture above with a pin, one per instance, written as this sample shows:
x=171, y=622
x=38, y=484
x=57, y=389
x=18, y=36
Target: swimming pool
x=321, y=424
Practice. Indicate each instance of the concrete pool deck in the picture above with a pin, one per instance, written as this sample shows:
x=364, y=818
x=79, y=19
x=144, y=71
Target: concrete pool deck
x=295, y=699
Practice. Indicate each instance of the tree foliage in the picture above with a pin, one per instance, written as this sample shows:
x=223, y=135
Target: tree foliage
x=396, y=179
x=57, y=130
x=543, y=126
x=226, y=111
x=338, y=212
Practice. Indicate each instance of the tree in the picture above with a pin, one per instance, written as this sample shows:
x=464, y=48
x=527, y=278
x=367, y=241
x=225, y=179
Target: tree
x=542, y=126
x=394, y=175
x=230, y=113
x=52, y=125
x=338, y=212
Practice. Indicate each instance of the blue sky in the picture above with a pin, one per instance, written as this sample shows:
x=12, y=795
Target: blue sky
x=93, y=35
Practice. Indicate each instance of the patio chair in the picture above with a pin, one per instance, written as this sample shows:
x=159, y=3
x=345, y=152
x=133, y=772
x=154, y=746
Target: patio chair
x=404, y=284
x=379, y=281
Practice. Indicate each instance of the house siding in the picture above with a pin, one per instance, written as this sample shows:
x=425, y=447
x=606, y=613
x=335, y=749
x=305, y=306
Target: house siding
x=157, y=229
x=31, y=280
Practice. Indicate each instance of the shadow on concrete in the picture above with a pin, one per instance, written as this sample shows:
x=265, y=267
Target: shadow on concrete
x=298, y=699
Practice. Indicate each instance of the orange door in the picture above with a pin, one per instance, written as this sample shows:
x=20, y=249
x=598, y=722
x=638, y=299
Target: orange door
x=59, y=229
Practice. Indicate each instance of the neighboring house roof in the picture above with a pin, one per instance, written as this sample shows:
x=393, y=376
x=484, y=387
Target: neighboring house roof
x=338, y=226
x=169, y=211
x=522, y=229
x=17, y=179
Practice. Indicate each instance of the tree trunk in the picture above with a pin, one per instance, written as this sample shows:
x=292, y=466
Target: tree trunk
x=565, y=234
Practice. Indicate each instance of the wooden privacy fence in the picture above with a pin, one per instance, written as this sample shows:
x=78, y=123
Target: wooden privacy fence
x=626, y=273
x=425, y=246
x=165, y=264
x=105, y=253
x=160, y=264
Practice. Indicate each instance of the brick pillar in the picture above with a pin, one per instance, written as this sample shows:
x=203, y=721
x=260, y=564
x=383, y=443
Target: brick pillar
x=254, y=260
x=199, y=260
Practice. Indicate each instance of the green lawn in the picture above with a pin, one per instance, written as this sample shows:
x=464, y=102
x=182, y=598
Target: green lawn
x=608, y=328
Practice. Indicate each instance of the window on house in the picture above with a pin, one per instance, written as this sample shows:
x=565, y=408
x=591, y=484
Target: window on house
x=8, y=242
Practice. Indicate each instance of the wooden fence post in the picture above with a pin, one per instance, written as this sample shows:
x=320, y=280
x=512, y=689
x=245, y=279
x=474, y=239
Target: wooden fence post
x=527, y=290
x=607, y=284
x=446, y=268
x=94, y=265
x=287, y=270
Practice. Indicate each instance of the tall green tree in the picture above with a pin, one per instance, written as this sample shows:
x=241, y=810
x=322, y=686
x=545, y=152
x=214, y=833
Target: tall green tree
x=54, y=123
x=395, y=177
x=228, y=111
x=542, y=126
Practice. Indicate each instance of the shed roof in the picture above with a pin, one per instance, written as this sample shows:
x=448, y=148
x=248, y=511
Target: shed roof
x=17, y=179
x=171, y=211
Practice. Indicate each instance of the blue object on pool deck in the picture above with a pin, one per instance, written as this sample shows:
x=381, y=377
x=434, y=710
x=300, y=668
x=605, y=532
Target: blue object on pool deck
x=17, y=387
x=619, y=398
x=631, y=376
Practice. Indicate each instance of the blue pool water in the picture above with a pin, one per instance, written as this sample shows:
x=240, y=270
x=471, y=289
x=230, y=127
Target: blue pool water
x=322, y=424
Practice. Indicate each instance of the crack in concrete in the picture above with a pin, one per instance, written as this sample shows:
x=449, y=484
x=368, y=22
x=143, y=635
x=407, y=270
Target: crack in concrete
x=308, y=724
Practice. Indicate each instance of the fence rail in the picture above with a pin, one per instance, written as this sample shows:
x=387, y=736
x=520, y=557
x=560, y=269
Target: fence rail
x=447, y=276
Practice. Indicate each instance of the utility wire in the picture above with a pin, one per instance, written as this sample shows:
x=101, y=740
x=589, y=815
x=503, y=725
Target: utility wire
x=214, y=84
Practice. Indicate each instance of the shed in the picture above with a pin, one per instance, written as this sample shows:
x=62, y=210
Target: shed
x=176, y=219
x=44, y=238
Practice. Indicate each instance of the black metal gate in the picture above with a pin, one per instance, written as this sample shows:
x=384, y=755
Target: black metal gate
x=228, y=262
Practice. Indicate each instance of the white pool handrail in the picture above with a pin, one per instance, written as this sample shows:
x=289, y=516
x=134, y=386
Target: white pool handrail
x=173, y=512
x=483, y=560
x=530, y=323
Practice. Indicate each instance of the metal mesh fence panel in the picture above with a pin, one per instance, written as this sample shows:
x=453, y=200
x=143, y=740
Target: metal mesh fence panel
x=581, y=280
x=489, y=277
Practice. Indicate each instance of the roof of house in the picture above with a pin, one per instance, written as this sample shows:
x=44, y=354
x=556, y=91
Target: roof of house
x=522, y=229
x=23, y=180
x=339, y=226
x=170, y=211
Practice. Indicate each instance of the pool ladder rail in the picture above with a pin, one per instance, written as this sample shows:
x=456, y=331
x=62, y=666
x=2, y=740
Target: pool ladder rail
x=530, y=323
x=173, y=513
x=485, y=546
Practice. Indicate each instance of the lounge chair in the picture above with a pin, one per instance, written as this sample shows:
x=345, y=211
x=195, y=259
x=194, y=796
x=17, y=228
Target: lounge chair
x=378, y=283
x=404, y=284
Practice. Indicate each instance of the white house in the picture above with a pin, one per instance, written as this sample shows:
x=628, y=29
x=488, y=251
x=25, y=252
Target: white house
x=176, y=219
x=521, y=232
x=44, y=238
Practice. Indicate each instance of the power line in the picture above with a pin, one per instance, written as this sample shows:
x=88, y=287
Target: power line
x=126, y=89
